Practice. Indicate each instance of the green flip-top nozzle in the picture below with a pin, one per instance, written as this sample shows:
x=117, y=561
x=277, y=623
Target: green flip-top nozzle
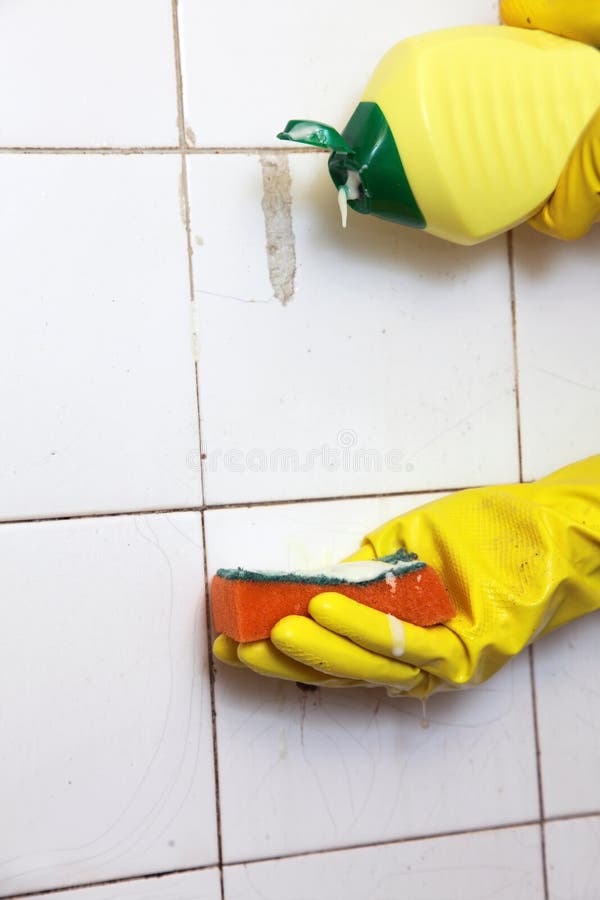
x=315, y=134
x=364, y=164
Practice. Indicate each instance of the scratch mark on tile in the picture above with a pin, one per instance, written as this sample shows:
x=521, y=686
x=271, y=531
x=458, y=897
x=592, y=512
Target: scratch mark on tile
x=581, y=384
x=277, y=210
x=190, y=136
x=470, y=415
x=232, y=297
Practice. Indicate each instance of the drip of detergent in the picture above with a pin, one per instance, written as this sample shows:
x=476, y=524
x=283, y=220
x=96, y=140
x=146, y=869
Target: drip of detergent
x=398, y=638
x=348, y=191
x=394, y=692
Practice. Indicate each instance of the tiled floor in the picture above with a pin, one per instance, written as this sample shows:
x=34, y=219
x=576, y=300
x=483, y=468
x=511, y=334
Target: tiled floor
x=146, y=437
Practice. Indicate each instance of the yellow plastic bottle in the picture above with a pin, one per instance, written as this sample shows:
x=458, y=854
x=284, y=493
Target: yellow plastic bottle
x=463, y=132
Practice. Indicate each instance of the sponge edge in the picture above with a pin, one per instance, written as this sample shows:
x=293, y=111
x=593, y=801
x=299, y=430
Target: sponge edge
x=246, y=605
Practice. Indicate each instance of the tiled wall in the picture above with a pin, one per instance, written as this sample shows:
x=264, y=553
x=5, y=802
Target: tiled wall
x=172, y=401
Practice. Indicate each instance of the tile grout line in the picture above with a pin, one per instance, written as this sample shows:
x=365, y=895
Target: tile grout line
x=307, y=853
x=217, y=507
x=167, y=149
x=466, y=832
x=575, y=817
x=88, y=885
x=185, y=198
x=534, y=708
x=538, y=763
x=515, y=345
x=213, y=711
x=91, y=151
x=567, y=817
x=178, y=74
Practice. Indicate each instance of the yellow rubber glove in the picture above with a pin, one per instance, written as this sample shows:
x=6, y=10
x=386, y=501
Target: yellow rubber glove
x=575, y=205
x=576, y=19
x=518, y=561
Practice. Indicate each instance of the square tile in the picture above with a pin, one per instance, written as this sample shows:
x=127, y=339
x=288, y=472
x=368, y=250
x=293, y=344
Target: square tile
x=568, y=701
x=559, y=365
x=98, y=385
x=307, y=60
x=312, y=771
x=389, y=369
x=87, y=74
x=202, y=885
x=573, y=859
x=107, y=760
x=505, y=865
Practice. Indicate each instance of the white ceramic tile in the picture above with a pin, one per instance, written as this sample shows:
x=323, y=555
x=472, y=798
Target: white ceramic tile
x=248, y=68
x=566, y=665
x=304, y=535
x=97, y=390
x=503, y=865
x=107, y=764
x=390, y=369
x=311, y=771
x=303, y=772
x=573, y=856
x=559, y=364
x=87, y=74
x=202, y=885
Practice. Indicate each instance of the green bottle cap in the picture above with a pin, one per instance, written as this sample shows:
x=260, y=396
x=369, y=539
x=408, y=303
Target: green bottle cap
x=315, y=134
x=364, y=164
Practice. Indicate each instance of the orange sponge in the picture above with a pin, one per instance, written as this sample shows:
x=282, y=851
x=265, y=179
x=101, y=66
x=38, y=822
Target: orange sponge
x=247, y=604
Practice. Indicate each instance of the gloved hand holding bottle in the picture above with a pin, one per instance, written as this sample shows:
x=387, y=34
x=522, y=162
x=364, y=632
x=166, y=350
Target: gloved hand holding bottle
x=575, y=205
x=466, y=132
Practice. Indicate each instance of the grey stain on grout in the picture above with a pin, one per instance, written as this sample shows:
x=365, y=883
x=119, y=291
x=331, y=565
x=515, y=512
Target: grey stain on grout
x=279, y=231
x=182, y=203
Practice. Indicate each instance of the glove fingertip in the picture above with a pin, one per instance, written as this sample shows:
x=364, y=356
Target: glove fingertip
x=226, y=650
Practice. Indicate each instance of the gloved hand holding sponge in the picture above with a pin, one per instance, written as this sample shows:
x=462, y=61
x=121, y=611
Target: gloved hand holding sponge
x=517, y=561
